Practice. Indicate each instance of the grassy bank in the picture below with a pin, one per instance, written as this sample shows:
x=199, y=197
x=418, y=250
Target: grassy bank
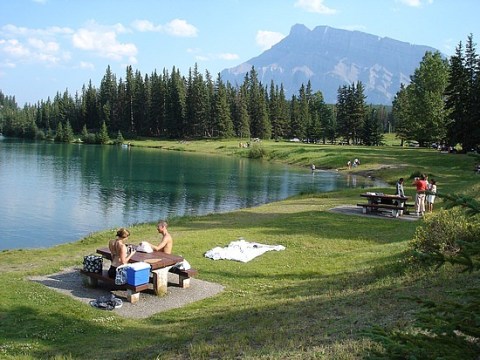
x=348, y=275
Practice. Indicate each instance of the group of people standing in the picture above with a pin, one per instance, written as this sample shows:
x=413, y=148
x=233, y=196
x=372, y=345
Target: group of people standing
x=425, y=193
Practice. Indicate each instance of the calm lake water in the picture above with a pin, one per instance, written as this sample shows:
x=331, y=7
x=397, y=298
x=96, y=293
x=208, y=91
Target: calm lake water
x=58, y=193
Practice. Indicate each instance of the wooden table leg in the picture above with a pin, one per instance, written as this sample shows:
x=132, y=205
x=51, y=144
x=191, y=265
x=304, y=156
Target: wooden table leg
x=160, y=281
x=133, y=297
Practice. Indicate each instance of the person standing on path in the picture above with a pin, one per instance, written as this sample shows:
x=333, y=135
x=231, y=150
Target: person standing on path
x=432, y=191
x=399, y=192
x=421, y=187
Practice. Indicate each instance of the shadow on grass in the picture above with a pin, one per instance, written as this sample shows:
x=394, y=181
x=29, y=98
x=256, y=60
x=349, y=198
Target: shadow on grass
x=324, y=225
x=310, y=314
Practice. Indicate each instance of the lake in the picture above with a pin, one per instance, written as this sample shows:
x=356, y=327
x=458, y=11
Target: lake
x=58, y=193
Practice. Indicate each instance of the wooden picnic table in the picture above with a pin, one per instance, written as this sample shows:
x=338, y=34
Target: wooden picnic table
x=161, y=263
x=381, y=201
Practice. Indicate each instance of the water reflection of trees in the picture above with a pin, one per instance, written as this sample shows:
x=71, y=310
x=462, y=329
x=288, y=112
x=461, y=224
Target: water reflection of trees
x=70, y=190
x=149, y=183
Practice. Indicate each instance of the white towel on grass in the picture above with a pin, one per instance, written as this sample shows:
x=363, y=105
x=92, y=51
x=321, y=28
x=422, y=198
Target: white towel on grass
x=241, y=250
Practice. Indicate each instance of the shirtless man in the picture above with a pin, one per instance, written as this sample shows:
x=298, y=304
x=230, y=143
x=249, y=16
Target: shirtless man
x=166, y=244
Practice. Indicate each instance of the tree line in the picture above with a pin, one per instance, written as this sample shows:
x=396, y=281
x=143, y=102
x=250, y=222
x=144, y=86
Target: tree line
x=439, y=105
x=442, y=102
x=169, y=105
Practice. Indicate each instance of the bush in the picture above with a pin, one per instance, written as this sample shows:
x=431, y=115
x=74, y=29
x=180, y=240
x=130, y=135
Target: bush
x=257, y=152
x=119, y=140
x=440, y=233
x=89, y=138
x=40, y=135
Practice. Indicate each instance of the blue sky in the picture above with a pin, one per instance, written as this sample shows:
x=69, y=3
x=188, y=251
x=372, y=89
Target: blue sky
x=53, y=45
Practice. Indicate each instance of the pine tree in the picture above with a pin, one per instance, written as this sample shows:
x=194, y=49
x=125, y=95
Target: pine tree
x=472, y=65
x=90, y=113
x=102, y=135
x=68, y=135
x=372, y=134
x=295, y=129
x=119, y=140
x=175, y=105
x=157, y=105
x=428, y=116
x=260, y=126
x=303, y=120
x=59, y=132
x=84, y=133
x=241, y=116
x=107, y=98
x=197, y=103
x=400, y=114
x=223, y=121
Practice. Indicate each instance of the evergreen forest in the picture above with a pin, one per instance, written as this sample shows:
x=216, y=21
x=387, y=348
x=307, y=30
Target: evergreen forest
x=439, y=106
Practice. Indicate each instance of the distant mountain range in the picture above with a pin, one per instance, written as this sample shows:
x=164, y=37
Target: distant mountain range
x=331, y=58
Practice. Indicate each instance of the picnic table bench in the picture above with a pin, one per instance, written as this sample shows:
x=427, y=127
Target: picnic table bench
x=378, y=201
x=133, y=291
x=161, y=264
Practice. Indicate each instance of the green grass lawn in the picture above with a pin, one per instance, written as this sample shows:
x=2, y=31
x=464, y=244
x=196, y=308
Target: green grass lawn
x=339, y=276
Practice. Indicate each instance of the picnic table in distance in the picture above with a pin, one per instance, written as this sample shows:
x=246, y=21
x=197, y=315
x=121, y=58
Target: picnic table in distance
x=379, y=201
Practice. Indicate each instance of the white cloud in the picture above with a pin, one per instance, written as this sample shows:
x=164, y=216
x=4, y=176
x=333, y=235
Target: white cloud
x=14, y=48
x=315, y=6
x=412, y=3
x=86, y=65
x=7, y=64
x=228, y=56
x=51, y=32
x=145, y=25
x=33, y=50
x=132, y=60
x=266, y=39
x=103, y=42
x=181, y=28
x=213, y=56
x=193, y=50
x=415, y=3
x=202, y=58
x=48, y=47
x=21, y=44
x=176, y=27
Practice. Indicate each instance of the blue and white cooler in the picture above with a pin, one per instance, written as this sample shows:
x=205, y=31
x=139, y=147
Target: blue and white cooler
x=138, y=273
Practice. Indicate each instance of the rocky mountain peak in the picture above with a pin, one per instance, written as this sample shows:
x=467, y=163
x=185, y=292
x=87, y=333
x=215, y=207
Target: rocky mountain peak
x=331, y=58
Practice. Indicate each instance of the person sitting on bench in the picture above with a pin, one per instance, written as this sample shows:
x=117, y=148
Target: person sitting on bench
x=121, y=253
x=166, y=244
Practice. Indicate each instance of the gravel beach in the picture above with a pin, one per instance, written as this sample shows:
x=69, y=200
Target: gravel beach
x=70, y=282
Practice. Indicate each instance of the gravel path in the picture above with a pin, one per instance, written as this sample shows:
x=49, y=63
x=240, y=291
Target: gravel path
x=357, y=210
x=70, y=282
